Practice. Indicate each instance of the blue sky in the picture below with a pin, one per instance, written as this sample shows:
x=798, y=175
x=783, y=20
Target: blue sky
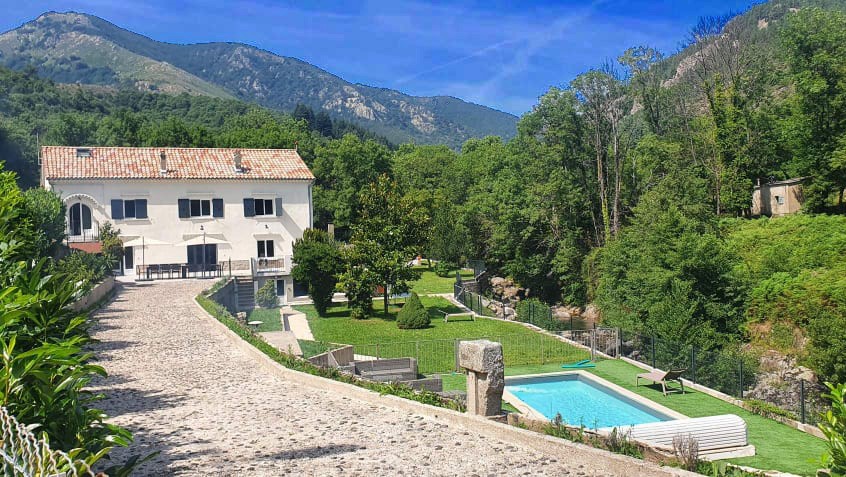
x=497, y=53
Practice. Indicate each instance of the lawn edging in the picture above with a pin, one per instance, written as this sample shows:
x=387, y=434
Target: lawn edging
x=806, y=428
x=606, y=463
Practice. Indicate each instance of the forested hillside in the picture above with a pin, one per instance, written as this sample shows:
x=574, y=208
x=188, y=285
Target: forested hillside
x=79, y=48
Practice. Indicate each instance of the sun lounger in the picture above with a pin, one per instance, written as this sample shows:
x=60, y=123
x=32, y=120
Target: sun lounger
x=663, y=377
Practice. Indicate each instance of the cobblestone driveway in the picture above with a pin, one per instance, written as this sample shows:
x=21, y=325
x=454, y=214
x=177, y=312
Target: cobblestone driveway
x=184, y=391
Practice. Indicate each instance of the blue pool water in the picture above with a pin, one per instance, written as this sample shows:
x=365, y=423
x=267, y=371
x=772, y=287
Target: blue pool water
x=582, y=402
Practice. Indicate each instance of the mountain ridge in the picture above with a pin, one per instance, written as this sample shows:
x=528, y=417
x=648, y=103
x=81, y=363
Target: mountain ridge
x=74, y=47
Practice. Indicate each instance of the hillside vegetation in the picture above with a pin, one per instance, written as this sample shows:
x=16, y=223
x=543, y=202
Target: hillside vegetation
x=79, y=48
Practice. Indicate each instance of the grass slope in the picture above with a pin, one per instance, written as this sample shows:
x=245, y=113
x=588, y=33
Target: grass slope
x=434, y=347
x=429, y=283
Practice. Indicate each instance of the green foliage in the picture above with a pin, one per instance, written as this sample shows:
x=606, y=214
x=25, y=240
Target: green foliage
x=833, y=426
x=443, y=269
x=413, y=316
x=112, y=245
x=318, y=262
x=770, y=411
x=815, y=42
x=84, y=269
x=385, y=239
x=46, y=212
x=266, y=295
x=46, y=371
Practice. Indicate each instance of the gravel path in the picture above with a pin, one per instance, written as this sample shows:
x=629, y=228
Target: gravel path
x=181, y=389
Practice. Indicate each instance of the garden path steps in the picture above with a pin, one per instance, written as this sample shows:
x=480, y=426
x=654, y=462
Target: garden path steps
x=297, y=323
x=183, y=389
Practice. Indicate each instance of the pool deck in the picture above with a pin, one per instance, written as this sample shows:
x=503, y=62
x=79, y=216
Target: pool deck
x=527, y=410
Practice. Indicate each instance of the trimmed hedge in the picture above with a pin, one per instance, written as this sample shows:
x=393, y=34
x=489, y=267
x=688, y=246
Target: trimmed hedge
x=298, y=364
x=413, y=315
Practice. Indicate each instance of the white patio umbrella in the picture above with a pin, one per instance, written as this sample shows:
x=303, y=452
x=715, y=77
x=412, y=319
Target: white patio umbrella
x=202, y=240
x=143, y=242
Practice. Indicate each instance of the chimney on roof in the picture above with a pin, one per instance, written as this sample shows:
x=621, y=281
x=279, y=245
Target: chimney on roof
x=237, y=157
x=163, y=162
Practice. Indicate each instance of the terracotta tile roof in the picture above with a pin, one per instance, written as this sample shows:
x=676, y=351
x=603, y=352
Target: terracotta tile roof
x=87, y=247
x=62, y=162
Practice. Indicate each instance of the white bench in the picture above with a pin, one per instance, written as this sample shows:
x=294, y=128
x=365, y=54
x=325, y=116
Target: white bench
x=719, y=437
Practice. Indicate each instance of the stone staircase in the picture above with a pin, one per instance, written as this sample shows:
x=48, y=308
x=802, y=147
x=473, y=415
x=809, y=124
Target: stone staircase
x=246, y=293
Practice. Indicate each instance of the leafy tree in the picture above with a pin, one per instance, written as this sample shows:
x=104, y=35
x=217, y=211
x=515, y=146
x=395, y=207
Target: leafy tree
x=388, y=235
x=266, y=295
x=358, y=282
x=413, y=315
x=815, y=42
x=318, y=262
x=344, y=169
x=46, y=213
x=112, y=245
x=833, y=426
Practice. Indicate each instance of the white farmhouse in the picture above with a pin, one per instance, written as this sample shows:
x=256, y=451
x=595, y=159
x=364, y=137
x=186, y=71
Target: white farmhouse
x=185, y=212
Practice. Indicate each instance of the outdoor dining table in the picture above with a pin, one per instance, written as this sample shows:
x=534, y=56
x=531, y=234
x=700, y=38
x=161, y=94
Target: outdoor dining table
x=255, y=324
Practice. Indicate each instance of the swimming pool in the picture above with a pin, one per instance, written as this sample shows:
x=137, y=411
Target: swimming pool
x=583, y=399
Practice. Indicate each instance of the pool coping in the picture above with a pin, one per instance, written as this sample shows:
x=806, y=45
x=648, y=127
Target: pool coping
x=534, y=414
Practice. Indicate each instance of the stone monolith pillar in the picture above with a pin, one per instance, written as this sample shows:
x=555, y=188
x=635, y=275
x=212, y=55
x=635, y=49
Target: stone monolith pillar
x=485, y=376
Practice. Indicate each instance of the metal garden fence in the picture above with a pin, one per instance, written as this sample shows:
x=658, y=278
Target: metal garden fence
x=440, y=356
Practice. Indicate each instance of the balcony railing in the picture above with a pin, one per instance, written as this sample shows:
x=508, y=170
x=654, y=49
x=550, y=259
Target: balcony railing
x=272, y=265
x=78, y=234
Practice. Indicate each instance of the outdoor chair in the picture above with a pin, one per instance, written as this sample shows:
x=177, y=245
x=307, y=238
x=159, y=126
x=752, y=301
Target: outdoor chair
x=663, y=377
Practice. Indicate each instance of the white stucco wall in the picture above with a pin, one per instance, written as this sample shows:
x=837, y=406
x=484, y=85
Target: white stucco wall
x=164, y=223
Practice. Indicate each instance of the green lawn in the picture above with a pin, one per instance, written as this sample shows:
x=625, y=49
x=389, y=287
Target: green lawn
x=270, y=317
x=434, y=347
x=778, y=447
x=429, y=283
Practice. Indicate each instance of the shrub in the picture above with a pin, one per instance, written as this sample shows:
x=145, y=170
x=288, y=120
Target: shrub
x=84, y=268
x=413, y=315
x=833, y=426
x=266, y=296
x=318, y=262
x=442, y=269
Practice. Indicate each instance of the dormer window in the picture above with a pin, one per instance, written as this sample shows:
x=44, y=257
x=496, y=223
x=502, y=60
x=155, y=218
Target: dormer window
x=83, y=152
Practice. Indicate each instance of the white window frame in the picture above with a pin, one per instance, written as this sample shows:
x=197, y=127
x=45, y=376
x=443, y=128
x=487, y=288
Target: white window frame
x=264, y=203
x=201, y=201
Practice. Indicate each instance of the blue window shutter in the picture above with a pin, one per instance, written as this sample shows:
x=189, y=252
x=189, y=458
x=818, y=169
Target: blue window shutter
x=117, y=209
x=278, y=207
x=217, y=207
x=184, y=208
x=249, y=207
x=140, y=208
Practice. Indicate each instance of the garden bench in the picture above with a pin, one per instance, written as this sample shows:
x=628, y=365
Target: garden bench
x=395, y=369
x=447, y=315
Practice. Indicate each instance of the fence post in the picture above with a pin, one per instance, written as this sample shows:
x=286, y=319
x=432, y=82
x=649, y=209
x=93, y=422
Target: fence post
x=455, y=352
x=741, y=379
x=543, y=358
x=653, y=351
x=571, y=322
x=593, y=345
x=377, y=350
x=230, y=267
x=693, y=363
x=619, y=343
x=802, y=400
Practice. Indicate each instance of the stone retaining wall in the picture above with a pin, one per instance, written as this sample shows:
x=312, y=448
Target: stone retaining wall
x=100, y=291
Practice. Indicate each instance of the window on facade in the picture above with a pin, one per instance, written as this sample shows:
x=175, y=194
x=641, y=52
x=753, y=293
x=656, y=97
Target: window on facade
x=265, y=248
x=129, y=209
x=264, y=206
x=200, y=208
x=280, y=287
x=779, y=200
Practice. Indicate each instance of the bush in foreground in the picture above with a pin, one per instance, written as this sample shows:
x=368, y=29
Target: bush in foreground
x=413, y=315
